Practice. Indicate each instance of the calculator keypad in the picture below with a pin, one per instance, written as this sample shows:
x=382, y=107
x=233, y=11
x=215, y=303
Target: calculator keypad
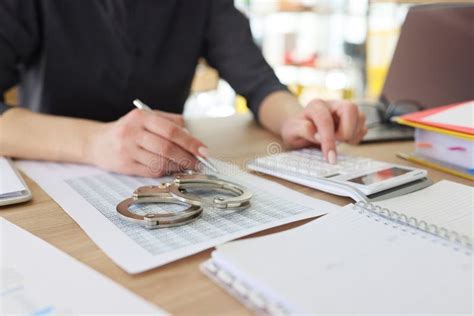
x=310, y=162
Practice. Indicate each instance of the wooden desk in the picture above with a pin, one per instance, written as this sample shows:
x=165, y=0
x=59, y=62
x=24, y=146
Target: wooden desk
x=179, y=287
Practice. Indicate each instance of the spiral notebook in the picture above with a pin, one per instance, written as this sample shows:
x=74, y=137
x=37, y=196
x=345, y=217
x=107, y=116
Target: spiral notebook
x=363, y=258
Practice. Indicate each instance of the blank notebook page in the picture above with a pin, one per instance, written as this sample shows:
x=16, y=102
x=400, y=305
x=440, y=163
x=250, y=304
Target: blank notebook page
x=346, y=262
x=445, y=203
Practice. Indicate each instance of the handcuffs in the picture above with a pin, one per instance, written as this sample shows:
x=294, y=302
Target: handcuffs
x=176, y=192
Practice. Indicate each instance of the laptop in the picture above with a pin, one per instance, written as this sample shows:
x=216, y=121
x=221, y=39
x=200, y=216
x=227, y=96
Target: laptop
x=432, y=65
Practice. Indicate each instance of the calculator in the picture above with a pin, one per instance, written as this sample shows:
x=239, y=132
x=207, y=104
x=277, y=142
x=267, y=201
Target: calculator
x=308, y=167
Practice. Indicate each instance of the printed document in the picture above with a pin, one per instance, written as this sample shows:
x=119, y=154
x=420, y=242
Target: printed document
x=90, y=196
x=38, y=279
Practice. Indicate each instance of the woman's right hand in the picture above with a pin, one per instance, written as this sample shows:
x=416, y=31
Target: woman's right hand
x=143, y=143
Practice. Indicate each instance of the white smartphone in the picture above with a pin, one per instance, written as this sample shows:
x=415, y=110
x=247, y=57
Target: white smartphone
x=13, y=188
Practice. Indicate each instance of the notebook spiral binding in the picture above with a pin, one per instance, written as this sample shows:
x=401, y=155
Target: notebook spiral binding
x=459, y=240
x=246, y=294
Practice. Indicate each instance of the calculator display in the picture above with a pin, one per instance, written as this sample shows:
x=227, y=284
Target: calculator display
x=379, y=176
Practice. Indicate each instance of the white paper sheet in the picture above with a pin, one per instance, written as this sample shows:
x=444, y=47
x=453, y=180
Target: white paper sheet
x=90, y=195
x=462, y=115
x=9, y=181
x=446, y=204
x=38, y=279
x=351, y=263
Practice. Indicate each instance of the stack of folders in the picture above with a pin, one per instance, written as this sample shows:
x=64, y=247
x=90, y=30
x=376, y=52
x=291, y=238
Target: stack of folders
x=361, y=259
x=444, y=138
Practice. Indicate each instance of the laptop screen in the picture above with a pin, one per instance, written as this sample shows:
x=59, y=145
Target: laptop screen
x=433, y=63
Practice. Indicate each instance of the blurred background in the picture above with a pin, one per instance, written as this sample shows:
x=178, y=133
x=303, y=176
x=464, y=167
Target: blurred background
x=336, y=49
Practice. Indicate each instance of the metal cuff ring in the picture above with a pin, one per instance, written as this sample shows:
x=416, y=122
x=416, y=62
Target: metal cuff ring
x=158, y=194
x=200, y=181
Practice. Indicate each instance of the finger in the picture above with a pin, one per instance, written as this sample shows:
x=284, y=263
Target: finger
x=348, y=116
x=364, y=131
x=137, y=169
x=360, y=137
x=156, y=165
x=319, y=113
x=301, y=143
x=359, y=133
x=301, y=129
x=176, y=118
x=158, y=145
x=176, y=134
x=362, y=128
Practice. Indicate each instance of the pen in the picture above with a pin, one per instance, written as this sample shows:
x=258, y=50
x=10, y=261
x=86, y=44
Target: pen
x=142, y=106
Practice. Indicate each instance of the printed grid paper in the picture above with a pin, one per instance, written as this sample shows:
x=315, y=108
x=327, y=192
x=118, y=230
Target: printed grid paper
x=90, y=195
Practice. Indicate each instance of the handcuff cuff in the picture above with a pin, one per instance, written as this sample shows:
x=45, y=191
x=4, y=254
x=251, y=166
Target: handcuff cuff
x=176, y=192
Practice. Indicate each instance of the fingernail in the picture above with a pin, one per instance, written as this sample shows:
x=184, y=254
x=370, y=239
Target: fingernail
x=332, y=157
x=186, y=130
x=203, y=151
x=317, y=137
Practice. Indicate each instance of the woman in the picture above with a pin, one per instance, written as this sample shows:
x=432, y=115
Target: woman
x=79, y=65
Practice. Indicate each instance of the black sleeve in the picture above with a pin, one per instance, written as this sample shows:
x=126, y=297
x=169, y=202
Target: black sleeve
x=4, y=107
x=19, y=39
x=229, y=47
